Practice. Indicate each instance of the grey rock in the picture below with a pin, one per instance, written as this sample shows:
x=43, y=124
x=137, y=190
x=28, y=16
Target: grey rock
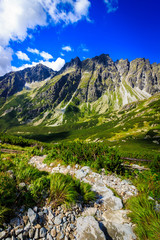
x=13, y=238
x=31, y=233
x=35, y=209
x=72, y=226
x=18, y=231
x=86, y=169
x=118, y=225
x=58, y=219
x=88, y=228
x=20, y=236
x=64, y=219
x=80, y=174
x=126, y=182
x=157, y=207
x=50, y=214
x=42, y=232
x=45, y=210
x=27, y=227
x=49, y=237
x=60, y=235
x=72, y=218
x=91, y=211
x=15, y=222
x=32, y=216
x=36, y=236
x=50, y=226
x=53, y=232
x=3, y=234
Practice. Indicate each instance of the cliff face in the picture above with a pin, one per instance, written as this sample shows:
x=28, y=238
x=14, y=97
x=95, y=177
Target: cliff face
x=14, y=82
x=120, y=82
x=98, y=84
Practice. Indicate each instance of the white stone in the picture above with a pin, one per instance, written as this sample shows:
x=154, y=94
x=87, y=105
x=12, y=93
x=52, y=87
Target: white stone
x=91, y=211
x=88, y=228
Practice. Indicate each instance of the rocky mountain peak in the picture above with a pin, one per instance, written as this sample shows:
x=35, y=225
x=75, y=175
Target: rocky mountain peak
x=74, y=63
x=103, y=59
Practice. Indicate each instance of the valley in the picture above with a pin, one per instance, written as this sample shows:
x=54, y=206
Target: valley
x=73, y=141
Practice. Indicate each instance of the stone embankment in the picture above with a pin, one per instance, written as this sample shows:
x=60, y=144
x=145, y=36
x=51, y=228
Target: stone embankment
x=102, y=219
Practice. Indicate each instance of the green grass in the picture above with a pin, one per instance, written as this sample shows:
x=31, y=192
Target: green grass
x=144, y=216
x=58, y=188
x=65, y=189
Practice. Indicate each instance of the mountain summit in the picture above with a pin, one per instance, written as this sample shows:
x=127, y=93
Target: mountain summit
x=81, y=88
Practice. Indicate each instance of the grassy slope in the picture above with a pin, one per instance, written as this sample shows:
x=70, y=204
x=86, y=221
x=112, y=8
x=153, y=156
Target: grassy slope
x=132, y=129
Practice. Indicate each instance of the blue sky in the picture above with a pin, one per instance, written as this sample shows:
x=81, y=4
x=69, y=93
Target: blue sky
x=54, y=31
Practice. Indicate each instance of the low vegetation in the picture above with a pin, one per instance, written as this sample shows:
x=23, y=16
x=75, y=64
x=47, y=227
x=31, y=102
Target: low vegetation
x=24, y=185
x=95, y=155
x=59, y=188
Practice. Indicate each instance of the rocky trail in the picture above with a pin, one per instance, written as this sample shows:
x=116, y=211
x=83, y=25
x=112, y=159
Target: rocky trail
x=105, y=219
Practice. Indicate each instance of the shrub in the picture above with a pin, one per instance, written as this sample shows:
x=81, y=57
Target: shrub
x=96, y=155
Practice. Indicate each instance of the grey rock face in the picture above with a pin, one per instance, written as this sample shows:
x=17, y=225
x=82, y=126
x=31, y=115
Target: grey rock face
x=13, y=82
x=88, y=228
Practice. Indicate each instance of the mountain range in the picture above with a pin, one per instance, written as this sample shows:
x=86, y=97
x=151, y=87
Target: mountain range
x=79, y=91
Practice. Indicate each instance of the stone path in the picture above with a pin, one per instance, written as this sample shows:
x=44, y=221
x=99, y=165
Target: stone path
x=103, y=219
x=108, y=208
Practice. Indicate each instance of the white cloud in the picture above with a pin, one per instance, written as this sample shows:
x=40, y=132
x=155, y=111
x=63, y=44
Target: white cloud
x=67, y=48
x=112, y=5
x=55, y=65
x=62, y=54
x=67, y=11
x=5, y=60
x=17, y=17
x=22, y=56
x=46, y=55
x=31, y=50
x=85, y=50
x=43, y=54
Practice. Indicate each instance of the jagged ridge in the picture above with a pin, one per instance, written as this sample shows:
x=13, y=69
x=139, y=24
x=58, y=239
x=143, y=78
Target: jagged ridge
x=93, y=86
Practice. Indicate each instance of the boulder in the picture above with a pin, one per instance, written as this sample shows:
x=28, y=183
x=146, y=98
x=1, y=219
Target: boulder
x=118, y=225
x=88, y=229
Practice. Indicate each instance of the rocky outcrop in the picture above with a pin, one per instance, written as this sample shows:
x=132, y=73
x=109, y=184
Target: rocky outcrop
x=14, y=82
